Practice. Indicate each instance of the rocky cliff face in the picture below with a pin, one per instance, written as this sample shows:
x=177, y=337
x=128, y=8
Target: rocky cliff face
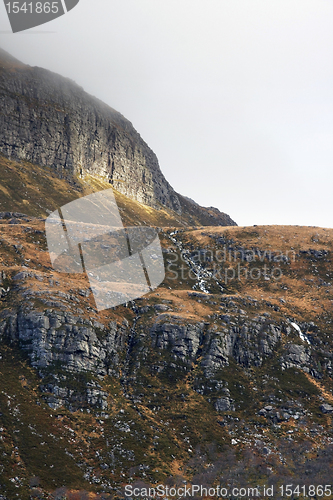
x=51, y=121
x=60, y=337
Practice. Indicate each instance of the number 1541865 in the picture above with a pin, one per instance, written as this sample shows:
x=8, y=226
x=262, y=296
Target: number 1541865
x=32, y=8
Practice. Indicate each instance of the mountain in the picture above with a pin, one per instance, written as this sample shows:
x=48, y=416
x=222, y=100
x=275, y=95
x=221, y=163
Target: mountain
x=50, y=121
x=220, y=377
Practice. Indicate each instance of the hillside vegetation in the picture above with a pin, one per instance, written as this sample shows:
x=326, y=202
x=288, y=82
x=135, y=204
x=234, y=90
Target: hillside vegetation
x=222, y=375
x=38, y=191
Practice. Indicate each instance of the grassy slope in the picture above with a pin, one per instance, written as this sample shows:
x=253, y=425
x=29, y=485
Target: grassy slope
x=32, y=190
x=37, y=191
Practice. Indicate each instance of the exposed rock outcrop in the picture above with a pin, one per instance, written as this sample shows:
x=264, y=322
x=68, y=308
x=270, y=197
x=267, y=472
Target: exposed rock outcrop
x=51, y=121
x=248, y=344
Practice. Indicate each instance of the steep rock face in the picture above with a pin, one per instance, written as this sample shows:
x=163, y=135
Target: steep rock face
x=182, y=340
x=297, y=356
x=50, y=120
x=248, y=344
x=54, y=339
x=60, y=337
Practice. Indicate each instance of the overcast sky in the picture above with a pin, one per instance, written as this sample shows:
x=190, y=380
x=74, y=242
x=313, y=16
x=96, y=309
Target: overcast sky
x=234, y=96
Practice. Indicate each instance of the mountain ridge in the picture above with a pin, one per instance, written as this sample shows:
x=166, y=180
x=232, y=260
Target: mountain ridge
x=49, y=120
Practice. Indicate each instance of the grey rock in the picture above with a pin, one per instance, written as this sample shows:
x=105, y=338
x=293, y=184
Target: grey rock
x=326, y=408
x=297, y=356
x=161, y=307
x=224, y=404
x=50, y=120
x=182, y=340
x=61, y=338
x=20, y=276
x=248, y=344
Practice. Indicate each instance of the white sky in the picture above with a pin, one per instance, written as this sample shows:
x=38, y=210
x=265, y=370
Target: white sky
x=234, y=96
